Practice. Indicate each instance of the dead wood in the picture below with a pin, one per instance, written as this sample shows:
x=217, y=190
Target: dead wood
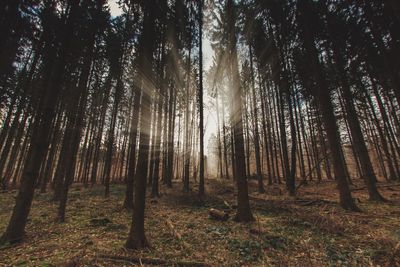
x=152, y=261
x=218, y=214
x=390, y=187
x=176, y=234
x=173, y=230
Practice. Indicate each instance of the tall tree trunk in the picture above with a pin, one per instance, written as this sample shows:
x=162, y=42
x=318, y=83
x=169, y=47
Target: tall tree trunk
x=224, y=136
x=201, y=116
x=111, y=137
x=187, y=116
x=101, y=122
x=219, y=171
x=128, y=200
x=355, y=128
x=157, y=149
x=40, y=137
x=243, y=211
x=266, y=131
x=170, y=139
x=136, y=238
x=256, y=131
x=323, y=98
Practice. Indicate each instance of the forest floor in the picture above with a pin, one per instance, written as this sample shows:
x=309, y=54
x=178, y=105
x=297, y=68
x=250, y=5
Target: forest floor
x=309, y=230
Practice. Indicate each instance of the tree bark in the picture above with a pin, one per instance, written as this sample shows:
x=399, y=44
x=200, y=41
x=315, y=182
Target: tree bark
x=243, y=213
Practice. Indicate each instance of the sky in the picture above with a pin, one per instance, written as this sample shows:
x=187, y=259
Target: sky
x=210, y=121
x=114, y=8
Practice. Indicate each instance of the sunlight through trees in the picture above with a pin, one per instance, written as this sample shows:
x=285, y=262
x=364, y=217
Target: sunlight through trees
x=176, y=94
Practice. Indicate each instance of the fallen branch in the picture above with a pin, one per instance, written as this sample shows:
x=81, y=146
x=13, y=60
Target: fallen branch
x=228, y=205
x=257, y=199
x=303, y=182
x=172, y=229
x=395, y=254
x=218, y=215
x=309, y=202
x=175, y=233
x=152, y=261
x=257, y=231
x=379, y=186
x=358, y=189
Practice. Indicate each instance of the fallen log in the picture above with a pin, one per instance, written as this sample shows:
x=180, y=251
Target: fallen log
x=218, y=215
x=152, y=261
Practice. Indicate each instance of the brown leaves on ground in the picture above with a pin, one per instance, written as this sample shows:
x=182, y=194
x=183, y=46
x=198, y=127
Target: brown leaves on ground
x=310, y=229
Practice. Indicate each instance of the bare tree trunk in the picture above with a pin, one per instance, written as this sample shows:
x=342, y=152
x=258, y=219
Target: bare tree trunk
x=256, y=132
x=266, y=132
x=187, y=116
x=171, y=131
x=325, y=106
x=136, y=238
x=111, y=137
x=218, y=135
x=201, y=122
x=104, y=104
x=157, y=149
x=243, y=211
x=224, y=136
x=128, y=200
x=389, y=159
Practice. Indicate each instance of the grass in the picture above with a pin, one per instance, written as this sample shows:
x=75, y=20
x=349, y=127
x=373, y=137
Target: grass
x=292, y=232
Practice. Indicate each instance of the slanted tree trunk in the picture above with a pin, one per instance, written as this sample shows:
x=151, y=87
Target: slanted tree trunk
x=323, y=99
x=355, y=128
x=384, y=143
x=40, y=137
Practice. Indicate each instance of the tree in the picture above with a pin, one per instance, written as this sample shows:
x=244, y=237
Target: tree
x=41, y=131
x=243, y=211
x=201, y=112
x=136, y=238
x=322, y=96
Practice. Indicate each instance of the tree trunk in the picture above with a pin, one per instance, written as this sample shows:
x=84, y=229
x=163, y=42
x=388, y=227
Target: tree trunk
x=201, y=122
x=324, y=102
x=128, y=200
x=111, y=137
x=243, y=211
x=40, y=138
x=136, y=238
x=256, y=131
